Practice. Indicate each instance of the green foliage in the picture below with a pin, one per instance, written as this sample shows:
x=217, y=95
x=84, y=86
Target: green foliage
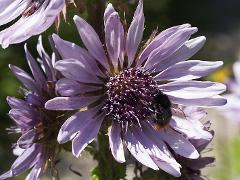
x=107, y=167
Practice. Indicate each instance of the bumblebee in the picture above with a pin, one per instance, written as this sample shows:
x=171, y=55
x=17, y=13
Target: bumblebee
x=162, y=110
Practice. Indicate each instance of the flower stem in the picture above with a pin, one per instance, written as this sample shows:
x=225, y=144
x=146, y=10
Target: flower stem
x=107, y=167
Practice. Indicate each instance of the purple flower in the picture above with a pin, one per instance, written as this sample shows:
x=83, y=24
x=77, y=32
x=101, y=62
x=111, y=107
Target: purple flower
x=141, y=90
x=231, y=109
x=191, y=168
x=37, y=148
x=36, y=16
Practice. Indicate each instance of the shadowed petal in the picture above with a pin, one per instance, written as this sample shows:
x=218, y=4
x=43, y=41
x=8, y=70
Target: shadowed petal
x=36, y=71
x=161, y=159
x=24, y=118
x=69, y=103
x=91, y=40
x=166, y=160
x=86, y=136
x=27, y=139
x=188, y=70
x=68, y=87
x=69, y=50
x=179, y=143
x=201, y=163
x=115, y=142
x=36, y=172
x=25, y=161
x=76, y=70
x=76, y=123
x=138, y=150
x=135, y=33
x=16, y=103
x=47, y=61
x=26, y=80
x=35, y=100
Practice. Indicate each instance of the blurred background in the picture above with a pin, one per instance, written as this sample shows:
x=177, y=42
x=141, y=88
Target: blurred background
x=218, y=20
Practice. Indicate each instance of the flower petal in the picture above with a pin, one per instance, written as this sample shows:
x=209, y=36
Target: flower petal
x=179, y=143
x=108, y=11
x=192, y=89
x=74, y=124
x=17, y=151
x=11, y=9
x=161, y=159
x=158, y=41
x=36, y=71
x=27, y=139
x=32, y=25
x=16, y=103
x=164, y=160
x=68, y=87
x=200, y=102
x=87, y=135
x=25, y=161
x=195, y=113
x=138, y=150
x=36, y=172
x=188, y=70
x=192, y=129
x=69, y=103
x=69, y=50
x=46, y=60
x=26, y=80
x=24, y=118
x=91, y=40
x=6, y=175
x=201, y=163
x=76, y=70
x=135, y=33
x=169, y=47
x=114, y=38
x=183, y=53
x=115, y=142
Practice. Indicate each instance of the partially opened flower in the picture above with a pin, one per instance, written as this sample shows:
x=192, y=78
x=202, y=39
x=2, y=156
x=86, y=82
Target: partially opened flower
x=140, y=90
x=36, y=16
x=37, y=148
x=192, y=168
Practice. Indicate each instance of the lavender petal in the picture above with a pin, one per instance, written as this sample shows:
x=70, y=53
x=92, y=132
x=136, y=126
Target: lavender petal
x=115, y=142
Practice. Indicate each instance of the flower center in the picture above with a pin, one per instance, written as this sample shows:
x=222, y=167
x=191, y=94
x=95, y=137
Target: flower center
x=32, y=7
x=130, y=96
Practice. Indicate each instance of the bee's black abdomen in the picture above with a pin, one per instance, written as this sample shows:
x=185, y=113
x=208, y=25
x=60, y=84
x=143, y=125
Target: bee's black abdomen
x=162, y=108
x=162, y=99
